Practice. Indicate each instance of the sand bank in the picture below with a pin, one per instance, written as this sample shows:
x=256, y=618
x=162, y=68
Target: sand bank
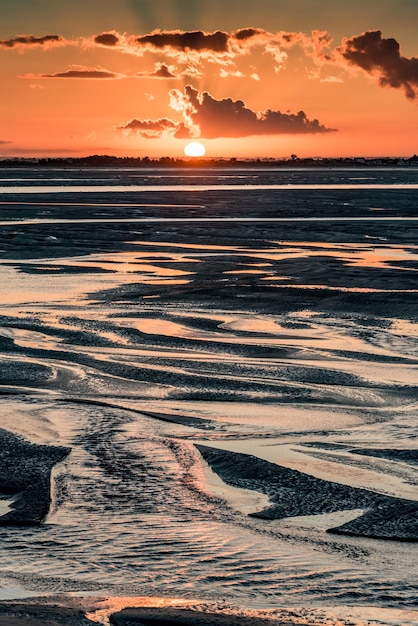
x=293, y=493
x=184, y=617
x=25, y=474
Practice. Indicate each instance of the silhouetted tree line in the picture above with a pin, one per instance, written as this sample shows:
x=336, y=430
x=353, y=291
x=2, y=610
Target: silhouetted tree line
x=113, y=161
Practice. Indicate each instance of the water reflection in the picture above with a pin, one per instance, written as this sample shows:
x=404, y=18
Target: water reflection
x=58, y=189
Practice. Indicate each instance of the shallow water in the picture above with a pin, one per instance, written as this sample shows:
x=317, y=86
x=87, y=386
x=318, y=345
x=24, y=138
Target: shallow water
x=281, y=325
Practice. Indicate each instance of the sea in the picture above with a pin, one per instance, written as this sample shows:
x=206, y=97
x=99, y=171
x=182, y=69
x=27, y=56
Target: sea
x=231, y=356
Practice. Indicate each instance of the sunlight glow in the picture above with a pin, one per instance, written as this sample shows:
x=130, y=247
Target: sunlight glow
x=195, y=149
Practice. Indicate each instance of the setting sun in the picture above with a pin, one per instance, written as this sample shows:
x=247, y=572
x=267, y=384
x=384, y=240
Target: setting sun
x=195, y=149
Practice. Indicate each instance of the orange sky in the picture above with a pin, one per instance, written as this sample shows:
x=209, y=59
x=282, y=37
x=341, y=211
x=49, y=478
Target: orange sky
x=248, y=79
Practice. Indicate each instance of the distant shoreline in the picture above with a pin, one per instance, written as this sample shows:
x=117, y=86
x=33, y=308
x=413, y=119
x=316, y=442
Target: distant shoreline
x=147, y=162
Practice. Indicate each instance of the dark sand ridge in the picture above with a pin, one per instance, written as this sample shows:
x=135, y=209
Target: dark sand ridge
x=39, y=614
x=184, y=617
x=25, y=474
x=393, y=454
x=62, y=612
x=409, y=456
x=294, y=493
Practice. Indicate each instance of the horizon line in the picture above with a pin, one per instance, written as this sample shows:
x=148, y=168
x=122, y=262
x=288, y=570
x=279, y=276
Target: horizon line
x=208, y=159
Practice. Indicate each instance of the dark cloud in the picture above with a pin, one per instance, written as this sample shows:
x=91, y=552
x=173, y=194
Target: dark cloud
x=31, y=40
x=151, y=129
x=107, y=39
x=161, y=71
x=84, y=73
x=177, y=43
x=247, y=33
x=186, y=40
x=382, y=57
x=219, y=46
x=229, y=118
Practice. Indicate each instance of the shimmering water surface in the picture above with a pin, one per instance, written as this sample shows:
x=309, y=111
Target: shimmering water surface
x=269, y=313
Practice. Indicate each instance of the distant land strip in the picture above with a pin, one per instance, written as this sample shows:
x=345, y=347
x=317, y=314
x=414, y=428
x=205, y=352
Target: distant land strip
x=266, y=162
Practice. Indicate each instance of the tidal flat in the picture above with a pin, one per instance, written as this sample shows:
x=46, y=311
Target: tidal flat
x=208, y=396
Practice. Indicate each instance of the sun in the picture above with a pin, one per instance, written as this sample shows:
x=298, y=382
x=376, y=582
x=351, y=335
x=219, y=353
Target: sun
x=195, y=149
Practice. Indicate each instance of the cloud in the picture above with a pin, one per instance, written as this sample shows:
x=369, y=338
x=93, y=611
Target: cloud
x=221, y=47
x=107, y=39
x=151, y=129
x=98, y=73
x=182, y=45
x=190, y=49
x=185, y=46
x=206, y=117
x=247, y=33
x=192, y=71
x=22, y=41
x=229, y=118
x=95, y=73
x=382, y=58
x=331, y=79
x=368, y=51
x=279, y=56
x=161, y=71
x=186, y=40
x=227, y=74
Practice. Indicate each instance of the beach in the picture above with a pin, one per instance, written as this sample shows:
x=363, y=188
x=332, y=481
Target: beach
x=208, y=396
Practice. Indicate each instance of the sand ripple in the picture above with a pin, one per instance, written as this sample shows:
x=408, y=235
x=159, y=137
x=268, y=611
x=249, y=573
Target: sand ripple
x=276, y=345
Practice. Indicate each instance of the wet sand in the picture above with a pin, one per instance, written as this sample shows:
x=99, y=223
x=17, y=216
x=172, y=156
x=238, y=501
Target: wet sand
x=293, y=494
x=25, y=477
x=118, y=611
x=135, y=344
x=59, y=612
x=37, y=614
x=182, y=617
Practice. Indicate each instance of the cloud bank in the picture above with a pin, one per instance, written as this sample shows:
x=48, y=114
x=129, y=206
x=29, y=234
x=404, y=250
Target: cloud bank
x=370, y=51
x=151, y=129
x=229, y=118
x=206, y=117
x=79, y=73
x=27, y=41
x=186, y=40
x=185, y=46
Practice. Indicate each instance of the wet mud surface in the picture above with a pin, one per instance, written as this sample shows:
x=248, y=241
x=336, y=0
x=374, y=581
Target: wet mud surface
x=210, y=393
x=25, y=477
x=293, y=493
